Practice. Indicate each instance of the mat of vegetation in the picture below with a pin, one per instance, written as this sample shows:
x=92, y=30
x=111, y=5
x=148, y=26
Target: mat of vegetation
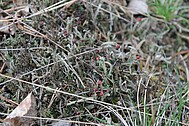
x=92, y=62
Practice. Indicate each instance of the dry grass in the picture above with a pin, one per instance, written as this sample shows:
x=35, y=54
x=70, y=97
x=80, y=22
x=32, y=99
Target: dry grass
x=92, y=63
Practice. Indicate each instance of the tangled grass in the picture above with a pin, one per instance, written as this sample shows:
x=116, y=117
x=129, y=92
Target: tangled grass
x=92, y=63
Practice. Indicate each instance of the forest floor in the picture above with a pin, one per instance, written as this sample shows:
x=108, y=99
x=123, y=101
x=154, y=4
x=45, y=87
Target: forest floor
x=94, y=63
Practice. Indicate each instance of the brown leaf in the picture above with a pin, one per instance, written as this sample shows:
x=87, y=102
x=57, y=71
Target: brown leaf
x=26, y=108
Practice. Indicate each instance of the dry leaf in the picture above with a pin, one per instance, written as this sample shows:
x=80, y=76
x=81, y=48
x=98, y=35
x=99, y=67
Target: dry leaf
x=23, y=12
x=61, y=123
x=26, y=108
x=160, y=57
x=6, y=27
x=68, y=4
x=138, y=7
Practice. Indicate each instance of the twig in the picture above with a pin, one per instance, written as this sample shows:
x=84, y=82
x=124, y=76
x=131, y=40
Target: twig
x=9, y=101
x=186, y=68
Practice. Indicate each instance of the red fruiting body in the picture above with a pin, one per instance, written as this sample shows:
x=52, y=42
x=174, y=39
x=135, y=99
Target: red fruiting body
x=65, y=32
x=97, y=51
x=78, y=22
x=92, y=60
x=101, y=93
x=117, y=46
x=137, y=56
x=99, y=82
x=42, y=22
x=95, y=89
x=97, y=58
x=139, y=19
x=77, y=113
